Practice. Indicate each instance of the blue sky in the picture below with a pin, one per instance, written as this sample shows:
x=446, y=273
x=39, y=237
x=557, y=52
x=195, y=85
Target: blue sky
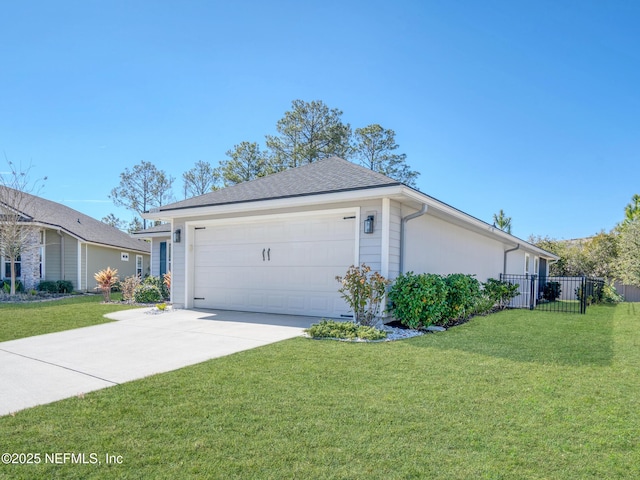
x=528, y=106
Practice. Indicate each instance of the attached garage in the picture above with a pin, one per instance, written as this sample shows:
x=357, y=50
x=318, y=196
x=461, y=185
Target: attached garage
x=275, y=244
x=279, y=264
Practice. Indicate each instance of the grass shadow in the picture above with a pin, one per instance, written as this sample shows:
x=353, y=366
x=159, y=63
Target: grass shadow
x=537, y=336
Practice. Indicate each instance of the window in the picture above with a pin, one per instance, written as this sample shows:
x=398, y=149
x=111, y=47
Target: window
x=139, y=265
x=527, y=263
x=536, y=265
x=7, y=267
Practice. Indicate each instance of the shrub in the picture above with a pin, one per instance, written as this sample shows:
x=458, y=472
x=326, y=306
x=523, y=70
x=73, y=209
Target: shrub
x=344, y=330
x=64, y=286
x=159, y=283
x=166, y=279
x=501, y=293
x=48, y=286
x=128, y=288
x=463, y=293
x=610, y=294
x=363, y=292
x=551, y=291
x=419, y=300
x=106, y=279
x=147, y=293
x=60, y=286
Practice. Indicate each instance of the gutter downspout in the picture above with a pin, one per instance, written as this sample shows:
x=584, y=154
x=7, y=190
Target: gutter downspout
x=504, y=267
x=403, y=222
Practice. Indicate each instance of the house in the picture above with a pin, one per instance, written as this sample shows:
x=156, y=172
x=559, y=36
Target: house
x=69, y=245
x=160, y=237
x=276, y=244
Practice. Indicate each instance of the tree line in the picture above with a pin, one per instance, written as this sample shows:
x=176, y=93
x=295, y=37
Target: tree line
x=310, y=131
x=611, y=255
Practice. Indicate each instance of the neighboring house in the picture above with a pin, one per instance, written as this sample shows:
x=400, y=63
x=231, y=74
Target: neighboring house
x=276, y=244
x=160, y=237
x=69, y=245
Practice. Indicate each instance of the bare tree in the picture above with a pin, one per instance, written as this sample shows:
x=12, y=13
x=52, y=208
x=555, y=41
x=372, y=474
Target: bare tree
x=201, y=179
x=17, y=212
x=142, y=188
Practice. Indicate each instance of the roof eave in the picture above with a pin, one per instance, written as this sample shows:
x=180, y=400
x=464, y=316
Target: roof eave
x=275, y=203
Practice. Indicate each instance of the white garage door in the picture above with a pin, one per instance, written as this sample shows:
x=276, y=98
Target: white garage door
x=279, y=266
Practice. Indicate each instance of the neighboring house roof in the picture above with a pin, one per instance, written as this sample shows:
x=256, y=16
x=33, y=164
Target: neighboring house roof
x=57, y=216
x=157, y=229
x=329, y=175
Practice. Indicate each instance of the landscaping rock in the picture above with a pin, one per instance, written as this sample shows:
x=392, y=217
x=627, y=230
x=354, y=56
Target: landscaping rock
x=435, y=328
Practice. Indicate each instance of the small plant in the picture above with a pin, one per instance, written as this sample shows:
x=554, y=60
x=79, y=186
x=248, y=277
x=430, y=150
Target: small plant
x=161, y=306
x=147, y=293
x=344, y=330
x=128, y=288
x=363, y=291
x=6, y=286
x=166, y=279
x=106, y=280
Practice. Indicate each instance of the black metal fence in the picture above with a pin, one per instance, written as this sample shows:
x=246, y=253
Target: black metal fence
x=556, y=294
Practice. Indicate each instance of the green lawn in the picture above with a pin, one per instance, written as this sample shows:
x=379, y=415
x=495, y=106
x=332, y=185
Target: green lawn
x=515, y=395
x=19, y=320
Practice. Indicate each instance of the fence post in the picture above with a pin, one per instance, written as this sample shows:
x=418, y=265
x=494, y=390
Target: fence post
x=532, y=295
x=583, y=296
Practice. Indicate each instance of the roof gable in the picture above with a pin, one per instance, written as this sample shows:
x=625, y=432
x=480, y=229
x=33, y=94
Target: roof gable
x=324, y=176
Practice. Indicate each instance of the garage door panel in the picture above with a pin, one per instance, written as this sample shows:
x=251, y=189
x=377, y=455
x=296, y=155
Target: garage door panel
x=297, y=275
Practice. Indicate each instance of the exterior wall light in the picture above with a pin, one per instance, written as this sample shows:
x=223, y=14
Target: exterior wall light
x=368, y=224
x=176, y=236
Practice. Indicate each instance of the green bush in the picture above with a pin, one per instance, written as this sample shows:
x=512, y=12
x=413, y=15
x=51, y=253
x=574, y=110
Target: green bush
x=60, y=286
x=64, y=286
x=418, y=301
x=463, y=293
x=501, y=293
x=48, y=286
x=344, y=330
x=610, y=294
x=551, y=291
x=159, y=283
x=147, y=293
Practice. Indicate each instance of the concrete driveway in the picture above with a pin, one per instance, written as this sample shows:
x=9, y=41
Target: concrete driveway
x=47, y=368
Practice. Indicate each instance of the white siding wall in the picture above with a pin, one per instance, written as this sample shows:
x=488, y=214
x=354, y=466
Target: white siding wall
x=436, y=246
x=394, y=240
x=178, y=267
x=433, y=245
x=370, y=243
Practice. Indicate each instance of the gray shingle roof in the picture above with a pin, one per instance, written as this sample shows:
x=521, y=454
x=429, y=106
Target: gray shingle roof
x=162, y=228
x=88, y=229
x=324, y=176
